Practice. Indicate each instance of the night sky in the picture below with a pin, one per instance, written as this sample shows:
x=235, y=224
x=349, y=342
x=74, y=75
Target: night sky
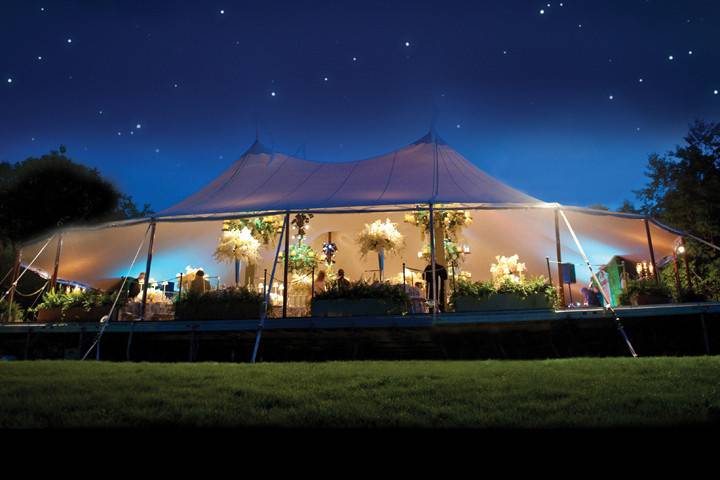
x=563, y=100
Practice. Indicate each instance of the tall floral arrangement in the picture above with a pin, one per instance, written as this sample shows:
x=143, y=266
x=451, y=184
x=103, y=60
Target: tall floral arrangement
x=264, y=228
x=452, y=221
x=380, y=237
x=237, y=245
x=507, y=269
x=302, y=259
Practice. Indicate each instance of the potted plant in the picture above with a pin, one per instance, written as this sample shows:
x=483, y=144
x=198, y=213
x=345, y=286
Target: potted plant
x=89, y=306
x=361, y=298
x=235, y=303
x=50, y=308
x=645, y=292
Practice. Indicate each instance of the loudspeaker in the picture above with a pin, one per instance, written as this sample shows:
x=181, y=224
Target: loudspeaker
x=568, y=271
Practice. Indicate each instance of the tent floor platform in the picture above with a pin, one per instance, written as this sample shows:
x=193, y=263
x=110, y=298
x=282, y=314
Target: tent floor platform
x=673, y=329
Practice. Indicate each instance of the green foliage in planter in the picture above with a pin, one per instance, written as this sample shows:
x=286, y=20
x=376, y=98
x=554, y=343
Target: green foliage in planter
x=636, y=288
x=87, y=300
x=16, y=310
x=361, y=290
x=482, y=290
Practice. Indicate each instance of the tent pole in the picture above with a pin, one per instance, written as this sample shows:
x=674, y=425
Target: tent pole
x=432, y=260
x=559, y=259
x=285, y=267
x=153, y=225
x=606, y=297
x=13, y=284
x=263, y=314
x=687, y=265
x=53, y=280
x=652, y=251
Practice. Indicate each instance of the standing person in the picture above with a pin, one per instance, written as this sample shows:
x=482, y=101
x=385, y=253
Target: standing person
x=134, y=285
x=342, y=282
x=320, y=282
x=199, y=284
x=441, y=275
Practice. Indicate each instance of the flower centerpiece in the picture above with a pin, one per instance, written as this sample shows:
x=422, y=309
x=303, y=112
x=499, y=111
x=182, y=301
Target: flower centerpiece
x=234, y=245
x=379, y=237
x=237, y=245
x=507, y=269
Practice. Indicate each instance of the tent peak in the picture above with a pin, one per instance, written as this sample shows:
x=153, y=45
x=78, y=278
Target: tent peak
x=257, y=148
x=431, y=137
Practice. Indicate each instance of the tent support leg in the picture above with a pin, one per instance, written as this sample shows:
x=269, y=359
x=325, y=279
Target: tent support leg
x=687, y=265
x=263, y=315
x=56, y=268
x=13, y=284
x=129, y=343
x=285, y=268
x=652, y=251
x=148, y=264
x=606, y=297
x=432, y=260
x=558, y=253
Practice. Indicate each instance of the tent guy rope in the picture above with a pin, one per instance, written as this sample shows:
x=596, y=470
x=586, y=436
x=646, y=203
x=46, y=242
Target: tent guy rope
x=117, y=296
x=608, y=305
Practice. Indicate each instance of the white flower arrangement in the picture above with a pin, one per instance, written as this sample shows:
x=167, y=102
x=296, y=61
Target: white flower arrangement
x=380, y=236
x=507, y=268
x=237, y=245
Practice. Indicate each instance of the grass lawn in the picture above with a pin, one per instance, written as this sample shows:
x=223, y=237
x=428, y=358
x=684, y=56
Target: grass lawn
x=597, y=392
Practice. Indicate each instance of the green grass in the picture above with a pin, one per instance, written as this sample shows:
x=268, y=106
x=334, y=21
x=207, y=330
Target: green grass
x=605, y=392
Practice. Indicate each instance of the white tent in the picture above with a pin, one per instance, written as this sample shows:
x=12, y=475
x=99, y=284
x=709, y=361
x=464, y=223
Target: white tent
x=343, y=197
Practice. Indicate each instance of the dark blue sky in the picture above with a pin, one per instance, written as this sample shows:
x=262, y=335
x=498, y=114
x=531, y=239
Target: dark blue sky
x=551, y=103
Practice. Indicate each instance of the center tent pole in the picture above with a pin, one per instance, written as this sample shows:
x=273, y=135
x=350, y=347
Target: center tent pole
x=153, y=225
x=559, y=259
x=285, y=266
x=263, y=314
x=432, y=260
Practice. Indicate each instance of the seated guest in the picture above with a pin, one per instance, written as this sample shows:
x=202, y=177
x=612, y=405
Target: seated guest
x=199, y=284
x=320, y=282
x=417, y=301
x=592, y=295
x=342, y=282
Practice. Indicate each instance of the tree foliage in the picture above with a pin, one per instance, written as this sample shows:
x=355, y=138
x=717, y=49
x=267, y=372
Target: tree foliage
x=40, y=194
x=683, y=190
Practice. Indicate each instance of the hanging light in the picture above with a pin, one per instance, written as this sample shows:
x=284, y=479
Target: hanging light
x=681, y=249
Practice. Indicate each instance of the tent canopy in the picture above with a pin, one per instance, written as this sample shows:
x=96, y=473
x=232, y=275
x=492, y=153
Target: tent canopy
x=505, y=221
x=428, y=170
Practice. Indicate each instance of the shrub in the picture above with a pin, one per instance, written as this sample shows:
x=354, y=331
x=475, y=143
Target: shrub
x=636, y=288
x=361, y=290
x=15, y=309
x=482, y=290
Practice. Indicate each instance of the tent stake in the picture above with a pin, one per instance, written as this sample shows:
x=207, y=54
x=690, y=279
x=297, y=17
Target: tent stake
x=263, y=314
x=558, y=253
x=652, y=251
x=153, y=225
